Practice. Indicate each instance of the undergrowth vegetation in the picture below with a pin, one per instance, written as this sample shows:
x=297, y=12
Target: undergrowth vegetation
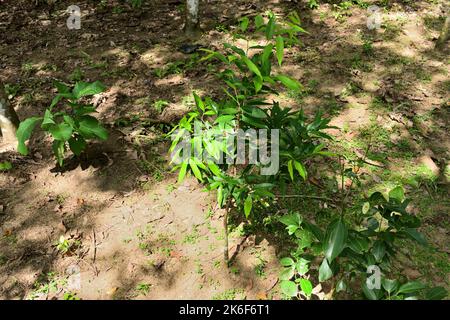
x=341, y=219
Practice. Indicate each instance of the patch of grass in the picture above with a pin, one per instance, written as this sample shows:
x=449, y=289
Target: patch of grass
x=76, y=75
x=234, y=270
x=351, y=88
x=160, y=105
x=177, y=67
x=433, y=22
x=358, y=63
x=378, y=103
x=230, y=294
x=3, y=259
x=422, y=75
x=10, y=238
x=260, y=267
x=367, y=47
x=11, y=90
x=199, y=268
x=299, y=95
x=391, y=30
x=45, y=284
x=70, y=296
x=5, y=166
x=28, y=68
x=143, y=288
x=192, y=237
x=49, y=67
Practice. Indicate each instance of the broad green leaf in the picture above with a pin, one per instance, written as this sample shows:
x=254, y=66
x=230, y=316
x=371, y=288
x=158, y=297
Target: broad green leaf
x=389, y=285
x=302, y=266
x=286, y=262
x=335, y=239
x=58, y=149
x=341, y=286
x=411, y=287
x=397, y=193
x=379, y=250
x=214, y=169
x=291, y=219
x=69, y=120
x=251, y=66
x=291, y=169
x=182, y=172
x=287, y=273
x=289, y=288
x=259, y=21
x=220, y=196
x=325, y=271
x=244, y=24
x=291, y=229
x=83, y=89
x=225, y=119
x=301, y=169
x=416, y=235
x=315, y=230
x=199, y=102
x=254, y=122
x=62, y=88
x=371, y=294
x=270, y=28
x=280, y=49
x=306, y=287
x=248, y=205
x=60, y=131
x=288, y=82
x=256, y=112
x=436, y=293
x=48, y=119
x=77, y=145
x=366, y=207
x=258, y=83
x=24, y=132
x=358, y=244
x=89, y=127
x=265, y=59
x=55, y=100
x=195, y=170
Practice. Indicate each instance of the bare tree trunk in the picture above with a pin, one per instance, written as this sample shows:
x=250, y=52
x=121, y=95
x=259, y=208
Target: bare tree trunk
x=191, y=26
x=443, y=37
x=9, y=122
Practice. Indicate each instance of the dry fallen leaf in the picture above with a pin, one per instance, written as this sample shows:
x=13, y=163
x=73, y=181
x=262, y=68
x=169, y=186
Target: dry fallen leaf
x=261, y=296
x=112, y=291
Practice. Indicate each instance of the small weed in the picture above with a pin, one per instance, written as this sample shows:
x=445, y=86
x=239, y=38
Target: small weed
x=159, y=105
x=192, y=237
x=11, y=90
x=229, y=294
x=70, y=296
x=234, y=270
x=45, y=284
x=143, y=288
x=5, y=166
x=76, y=75
x=67, y=245
x=28, y=68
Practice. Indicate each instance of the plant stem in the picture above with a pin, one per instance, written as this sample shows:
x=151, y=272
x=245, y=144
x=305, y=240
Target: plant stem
x=305, y=196
x=225, y=227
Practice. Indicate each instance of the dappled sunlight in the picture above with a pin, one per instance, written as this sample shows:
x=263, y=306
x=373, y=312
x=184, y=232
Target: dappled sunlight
x=138, y=227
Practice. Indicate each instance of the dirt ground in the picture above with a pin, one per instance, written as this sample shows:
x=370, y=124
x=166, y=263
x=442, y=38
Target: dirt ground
x=137, y=234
